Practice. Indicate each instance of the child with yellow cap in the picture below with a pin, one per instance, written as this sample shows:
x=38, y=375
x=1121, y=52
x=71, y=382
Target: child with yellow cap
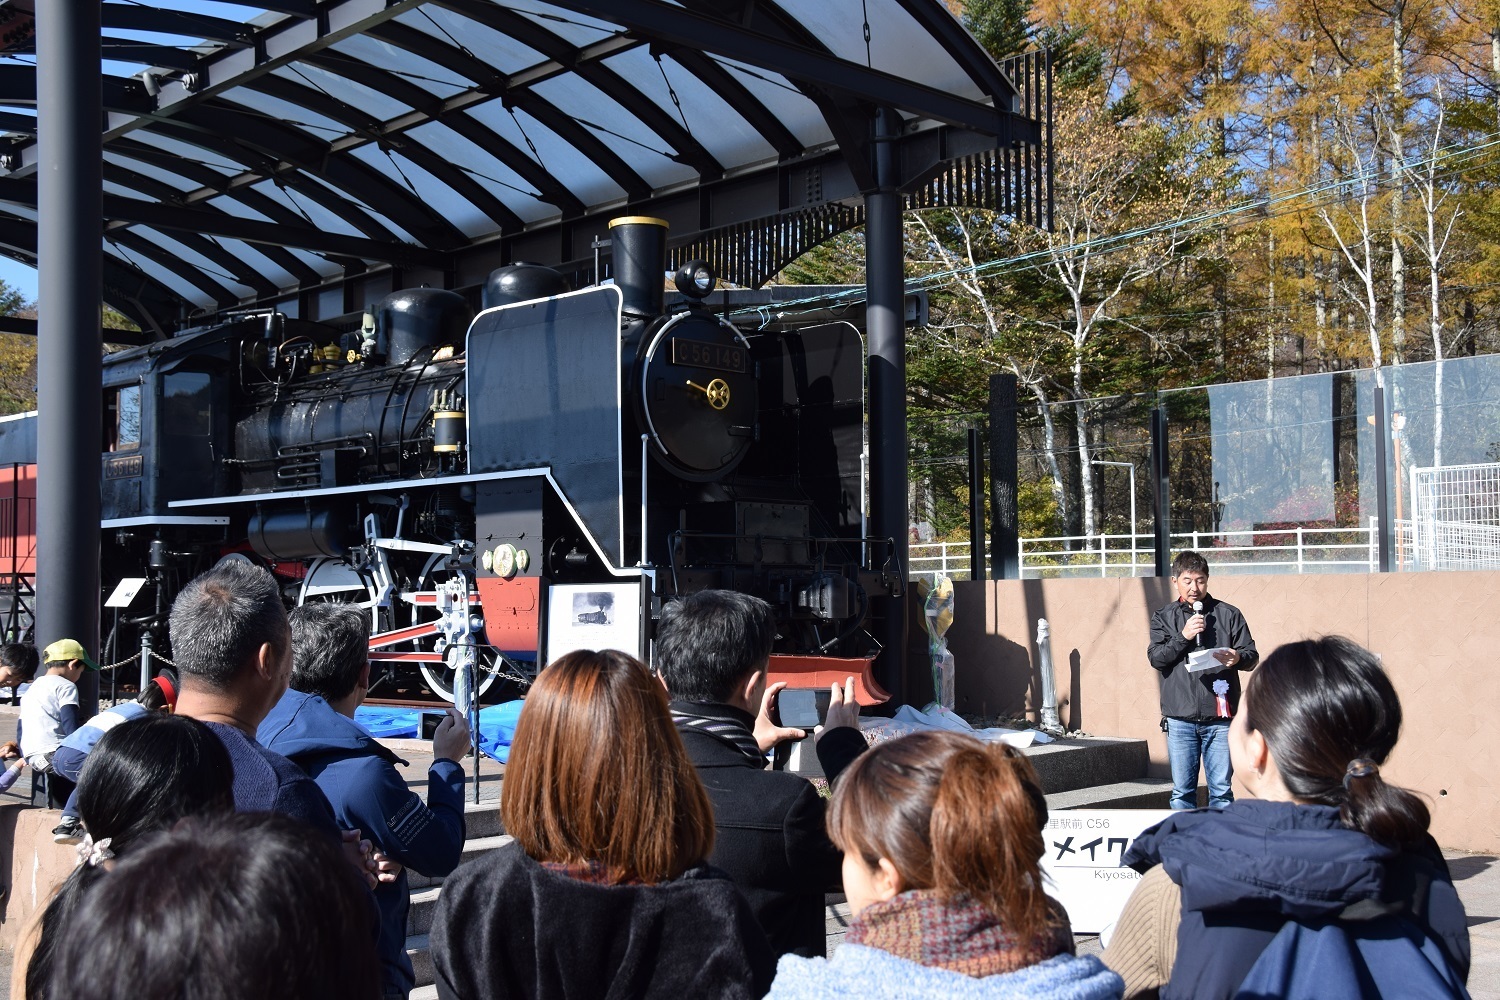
x=49, y=712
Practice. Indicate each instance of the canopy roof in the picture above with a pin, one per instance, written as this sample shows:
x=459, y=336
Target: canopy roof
x=316, y=154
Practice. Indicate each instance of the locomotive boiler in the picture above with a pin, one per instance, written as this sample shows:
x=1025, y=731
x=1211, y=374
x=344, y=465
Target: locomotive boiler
x=463, y=477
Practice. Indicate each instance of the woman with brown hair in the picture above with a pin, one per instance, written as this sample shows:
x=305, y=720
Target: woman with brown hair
x=942, y=841
x=604, y=891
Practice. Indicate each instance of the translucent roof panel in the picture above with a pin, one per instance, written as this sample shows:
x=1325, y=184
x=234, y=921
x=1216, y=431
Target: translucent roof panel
x=572, y=168
x=190, y=152
x=440, y=197
x=309, y=208
x=278, y=110
x=898, y=44
x=237, y=208
x=211, y=268
x=110, y=187
x=624, y=133
x=794, y=109
x=505, y=54
x=577, y=29
x=184, y=289
x=363, y=206
x=710, y=119
x=151, y=171
x=341, y=88
x=440, y=81
x=259, y=262
x=498, y=179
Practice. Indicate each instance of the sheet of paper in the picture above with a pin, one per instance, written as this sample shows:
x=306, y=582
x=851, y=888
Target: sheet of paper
x=1204, y=659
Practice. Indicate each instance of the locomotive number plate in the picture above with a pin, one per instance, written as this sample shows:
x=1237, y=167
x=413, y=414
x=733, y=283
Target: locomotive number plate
x=124, y=468
x=698, y=354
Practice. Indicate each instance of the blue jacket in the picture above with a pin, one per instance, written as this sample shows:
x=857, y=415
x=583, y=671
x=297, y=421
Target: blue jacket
x=857, y=971
x=359, y=777
x=1248, y=868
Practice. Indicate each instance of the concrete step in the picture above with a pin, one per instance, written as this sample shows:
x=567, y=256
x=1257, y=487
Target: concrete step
x=1139, y=793
x=482, y=820
x=421, y=960
x=473, y=848
x=423, y=905
x=1071, y=763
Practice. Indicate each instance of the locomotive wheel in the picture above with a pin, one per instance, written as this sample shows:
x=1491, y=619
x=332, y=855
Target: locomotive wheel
x=440, y=678
x=335, y=580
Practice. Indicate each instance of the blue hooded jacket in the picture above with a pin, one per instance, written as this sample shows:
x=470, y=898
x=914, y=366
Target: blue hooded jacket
x=1247, y=869
x=359, y=777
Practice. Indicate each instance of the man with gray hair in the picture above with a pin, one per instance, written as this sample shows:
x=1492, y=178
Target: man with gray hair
x=314, y=726
x=233, y=650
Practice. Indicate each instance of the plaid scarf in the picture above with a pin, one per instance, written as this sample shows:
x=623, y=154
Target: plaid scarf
x=587, y=871
x=960, y=936
x=728, y=725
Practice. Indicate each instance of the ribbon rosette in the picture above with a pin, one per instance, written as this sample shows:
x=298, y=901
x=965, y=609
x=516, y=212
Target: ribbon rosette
x=1221, y=698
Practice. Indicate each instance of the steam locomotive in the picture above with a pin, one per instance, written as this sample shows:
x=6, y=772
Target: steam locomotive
x=476, y=482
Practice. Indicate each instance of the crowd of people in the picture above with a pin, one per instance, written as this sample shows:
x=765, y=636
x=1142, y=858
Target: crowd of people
x=241, y=835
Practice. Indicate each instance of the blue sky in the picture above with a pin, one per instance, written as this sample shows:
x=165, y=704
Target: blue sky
x=19, y=276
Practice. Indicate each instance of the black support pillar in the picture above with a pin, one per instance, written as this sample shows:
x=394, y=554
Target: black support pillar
x=69, y=213
x=885, y=328
x=1161, y=493
x=976, y=507
x=1005, y=533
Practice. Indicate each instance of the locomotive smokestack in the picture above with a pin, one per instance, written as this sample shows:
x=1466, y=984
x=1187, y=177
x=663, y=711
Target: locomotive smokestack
x=638, y=253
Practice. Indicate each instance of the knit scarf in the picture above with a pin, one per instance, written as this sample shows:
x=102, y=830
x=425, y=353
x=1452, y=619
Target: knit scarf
x=725, y=724
x=959, y=935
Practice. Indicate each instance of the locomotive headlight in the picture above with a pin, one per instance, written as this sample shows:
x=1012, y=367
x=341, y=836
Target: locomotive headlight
x=696, y=279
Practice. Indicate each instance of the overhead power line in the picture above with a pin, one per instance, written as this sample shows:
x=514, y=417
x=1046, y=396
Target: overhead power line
x=1446, y=159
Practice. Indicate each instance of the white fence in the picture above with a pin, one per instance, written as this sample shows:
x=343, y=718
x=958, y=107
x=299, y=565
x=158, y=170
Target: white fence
x=1284, y=550
x=1456, y=517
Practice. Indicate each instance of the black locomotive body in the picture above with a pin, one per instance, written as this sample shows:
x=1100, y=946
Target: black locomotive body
x=454, y=473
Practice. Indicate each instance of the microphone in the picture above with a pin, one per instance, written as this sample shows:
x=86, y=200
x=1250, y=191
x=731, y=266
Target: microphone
x=1198, y=610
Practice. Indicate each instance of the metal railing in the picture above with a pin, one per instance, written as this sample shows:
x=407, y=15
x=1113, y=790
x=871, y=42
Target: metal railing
x=1267, y=550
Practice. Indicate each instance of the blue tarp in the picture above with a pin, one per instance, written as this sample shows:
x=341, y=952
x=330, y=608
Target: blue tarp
x=497, y=725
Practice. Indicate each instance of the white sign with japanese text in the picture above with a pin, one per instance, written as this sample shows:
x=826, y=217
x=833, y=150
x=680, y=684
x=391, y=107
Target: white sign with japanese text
x=1082, y=861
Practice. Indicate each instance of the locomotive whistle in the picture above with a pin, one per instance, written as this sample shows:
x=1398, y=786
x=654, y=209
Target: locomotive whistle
x=716, y=391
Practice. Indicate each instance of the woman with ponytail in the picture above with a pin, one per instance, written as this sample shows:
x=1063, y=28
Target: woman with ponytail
x=1323, y=845
x=942, y=841
x=143, y=776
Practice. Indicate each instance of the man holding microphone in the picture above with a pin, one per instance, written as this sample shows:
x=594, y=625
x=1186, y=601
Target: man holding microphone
x=1196, y=705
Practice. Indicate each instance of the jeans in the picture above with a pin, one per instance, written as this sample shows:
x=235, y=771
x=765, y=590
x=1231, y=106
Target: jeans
x=1189, y=742
x=69, y=763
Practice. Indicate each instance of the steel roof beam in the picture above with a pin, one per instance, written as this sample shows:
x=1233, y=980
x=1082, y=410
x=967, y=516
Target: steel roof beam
x=723, y=83
x=267, y=167
x=18, y=86
x=688, y=150
x=430, y=106
x=149, y=53
x=681, y=26
x=197, y=277
x=490, y=82
x=188, y=220
x=239, y=186
x=445, y=172
x=135, y=17
x=272, y=209
x=343, y=173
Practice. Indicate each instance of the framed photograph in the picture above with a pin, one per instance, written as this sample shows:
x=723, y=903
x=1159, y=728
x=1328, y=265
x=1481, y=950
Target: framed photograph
x=593, y=616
